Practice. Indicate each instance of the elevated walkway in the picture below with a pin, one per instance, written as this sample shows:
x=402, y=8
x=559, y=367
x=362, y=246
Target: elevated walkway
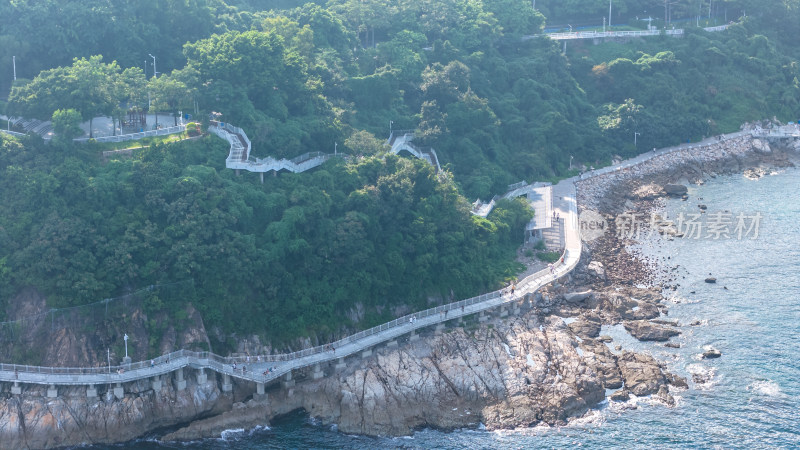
x=267, y=368
x=401, y=141
x=616, y=34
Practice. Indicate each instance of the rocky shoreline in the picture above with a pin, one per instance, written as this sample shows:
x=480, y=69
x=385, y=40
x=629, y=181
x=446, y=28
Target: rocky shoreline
x=544, y=366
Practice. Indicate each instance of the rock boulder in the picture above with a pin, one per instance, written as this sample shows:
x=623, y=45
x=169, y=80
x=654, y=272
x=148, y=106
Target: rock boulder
x=647, y=331
x=676, y=190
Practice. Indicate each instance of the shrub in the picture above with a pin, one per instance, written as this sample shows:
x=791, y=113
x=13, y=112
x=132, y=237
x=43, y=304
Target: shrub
x=192, y=129
x=549, y=256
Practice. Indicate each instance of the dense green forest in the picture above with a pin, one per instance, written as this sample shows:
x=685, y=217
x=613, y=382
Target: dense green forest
x=346, y=245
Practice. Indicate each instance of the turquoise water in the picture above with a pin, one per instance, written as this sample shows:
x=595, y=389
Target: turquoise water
x=753, y=397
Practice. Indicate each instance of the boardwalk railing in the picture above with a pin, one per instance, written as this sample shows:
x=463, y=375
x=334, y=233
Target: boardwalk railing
x=612, y=34
x=608, y=34
x=302, y=358
x=285, y=363
x=12, y=133
x=136, y=136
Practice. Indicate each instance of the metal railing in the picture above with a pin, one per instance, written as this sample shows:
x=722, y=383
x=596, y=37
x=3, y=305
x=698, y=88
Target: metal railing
x=182, y=358
x=604, y=34
x=136, y=136
x=298, y=359
x=13, y=133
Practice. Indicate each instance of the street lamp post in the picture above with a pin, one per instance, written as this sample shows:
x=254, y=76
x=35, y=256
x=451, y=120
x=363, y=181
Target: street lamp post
x=609, y=14
x=155, y=72
x=335, y=146
x=126, y=359
x=570, y=162
x=14, y=62
x=634, y=138
x=391, y=122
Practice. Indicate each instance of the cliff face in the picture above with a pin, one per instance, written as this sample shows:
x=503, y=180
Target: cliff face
x=31, y=420
x=518, y=373
x=514, y=372
x=83, y=336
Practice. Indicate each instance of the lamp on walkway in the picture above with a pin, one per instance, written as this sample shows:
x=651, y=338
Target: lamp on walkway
x=155, y=72
x=126, y=359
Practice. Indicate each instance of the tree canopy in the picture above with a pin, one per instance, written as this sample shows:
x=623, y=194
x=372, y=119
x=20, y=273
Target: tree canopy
x=358, y=241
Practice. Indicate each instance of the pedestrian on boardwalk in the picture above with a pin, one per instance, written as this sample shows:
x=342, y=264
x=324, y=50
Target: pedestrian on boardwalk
x=513, y=287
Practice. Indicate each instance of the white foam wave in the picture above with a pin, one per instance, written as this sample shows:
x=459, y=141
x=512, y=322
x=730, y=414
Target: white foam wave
x=766, y=387
x=703, y=377
x=232, y=433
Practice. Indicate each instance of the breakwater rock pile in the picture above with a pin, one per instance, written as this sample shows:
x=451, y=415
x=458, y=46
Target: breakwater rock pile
x=609, y=192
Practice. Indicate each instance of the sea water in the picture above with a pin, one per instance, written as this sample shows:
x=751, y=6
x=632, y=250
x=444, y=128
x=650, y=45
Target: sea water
x=751, y=314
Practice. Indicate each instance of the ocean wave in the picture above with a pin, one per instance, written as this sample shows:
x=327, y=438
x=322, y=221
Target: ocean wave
x=233, y=433
x=704, y=377
x=766, y=387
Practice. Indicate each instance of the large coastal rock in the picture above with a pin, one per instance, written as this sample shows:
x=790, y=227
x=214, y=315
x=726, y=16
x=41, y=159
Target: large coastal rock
x=516, y=374
x=642, y=374
x=596, y=269
x=675, y=190
x=648, y=331
x=587, y=326
x=520, y=372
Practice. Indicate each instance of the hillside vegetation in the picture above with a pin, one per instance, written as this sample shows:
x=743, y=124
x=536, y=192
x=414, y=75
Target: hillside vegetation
x=353, y=242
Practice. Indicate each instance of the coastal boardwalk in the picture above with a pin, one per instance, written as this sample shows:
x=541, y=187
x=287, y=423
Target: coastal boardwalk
x=282, y=365
x=264, y=369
